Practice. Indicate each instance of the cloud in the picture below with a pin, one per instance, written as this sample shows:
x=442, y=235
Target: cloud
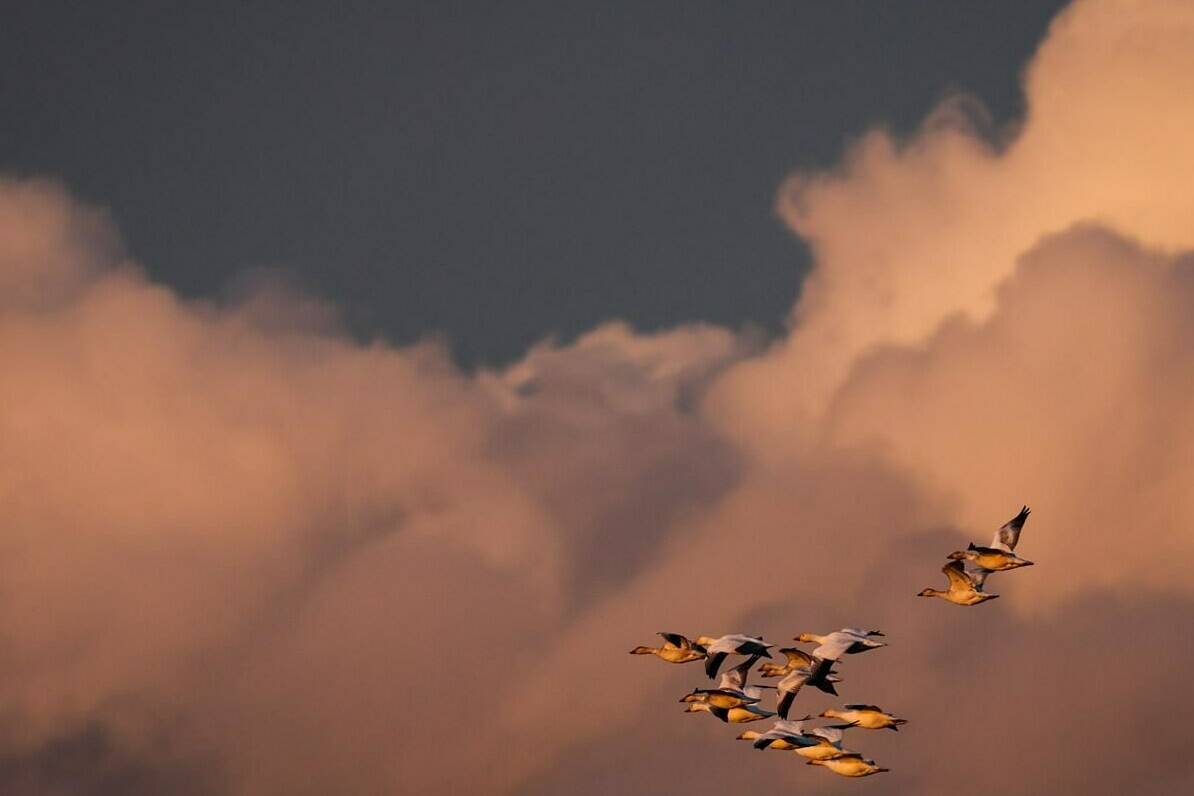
x=237, y=542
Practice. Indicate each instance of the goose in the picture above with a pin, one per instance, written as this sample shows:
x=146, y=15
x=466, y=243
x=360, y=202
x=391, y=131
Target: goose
x=718, y=648
x=999, y=556
x=850, y=764
x=675, y=649
x=965, y=586
x=784, y=735
x=797, y=659
x=738, y=715
x=869, y=717
x=991, y=559
x=847, y=641
x=828, y=744
x=819, y=676
x=719, y=697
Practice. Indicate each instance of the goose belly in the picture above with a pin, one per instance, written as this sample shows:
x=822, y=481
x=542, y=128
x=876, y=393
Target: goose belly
x=742, y=715
x=868, y=721
x=675, y=655
x=995, y=562
x=822, y=752
x=848, y=768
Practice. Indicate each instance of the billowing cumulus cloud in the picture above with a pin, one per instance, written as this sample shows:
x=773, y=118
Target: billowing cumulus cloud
x=241, y=553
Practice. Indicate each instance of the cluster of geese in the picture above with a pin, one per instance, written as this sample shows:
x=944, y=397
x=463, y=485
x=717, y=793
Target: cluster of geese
x=968, y=569
x=736, y=701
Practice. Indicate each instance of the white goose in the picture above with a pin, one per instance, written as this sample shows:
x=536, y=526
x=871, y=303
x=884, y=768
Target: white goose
x=847, y=641
x=965, y=586
x=851, y=764
x=737, y=644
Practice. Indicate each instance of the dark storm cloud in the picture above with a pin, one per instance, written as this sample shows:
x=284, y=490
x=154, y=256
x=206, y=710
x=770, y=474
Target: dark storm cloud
x=494, y=172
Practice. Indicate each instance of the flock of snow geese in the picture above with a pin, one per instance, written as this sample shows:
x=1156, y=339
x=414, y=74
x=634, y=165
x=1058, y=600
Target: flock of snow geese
x=735, y=701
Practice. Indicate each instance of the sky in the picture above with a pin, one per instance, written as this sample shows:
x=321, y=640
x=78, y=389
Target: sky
x=490, y=172
x=285, y=524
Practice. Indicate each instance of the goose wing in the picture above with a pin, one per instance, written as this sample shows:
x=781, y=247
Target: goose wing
x=736, y=677
x=1008, y=535
x=958, y=581
x=875, y=708
x=797, y=657
x=676, y=640
x=787, y=689
x=713, y=662
x=976, y=575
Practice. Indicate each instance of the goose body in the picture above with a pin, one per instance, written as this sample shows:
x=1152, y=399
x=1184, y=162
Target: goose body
x=828, y=744
x=717, y=649
x=725, y=698
x=869, y=717
x=991, y=559
x=849, y=765
x=965, y=586
x=739, y=715
x=676, y=649
x=847, y=641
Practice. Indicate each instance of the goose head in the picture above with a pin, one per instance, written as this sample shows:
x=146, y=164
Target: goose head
x=806, y=637
x=957, y=555
x=928, y=593
x=642, y=651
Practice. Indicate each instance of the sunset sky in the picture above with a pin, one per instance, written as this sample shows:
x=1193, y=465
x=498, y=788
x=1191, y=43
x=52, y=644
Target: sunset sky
x=374, y=377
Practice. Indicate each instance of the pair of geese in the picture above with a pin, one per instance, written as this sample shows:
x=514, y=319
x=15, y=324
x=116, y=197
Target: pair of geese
x=735, y=701
x=968, y=569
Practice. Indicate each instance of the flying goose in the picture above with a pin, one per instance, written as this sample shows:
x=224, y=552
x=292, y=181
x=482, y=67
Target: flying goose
x=675, y=649
x=965, y=586
x=739, y=715
x=869, y=717
x=719, y=697
x=819, y=676
x=797, y=659
x=850, y=764
x=847, y=641
x=999, y=557
x=718, y=648
x=828, y=744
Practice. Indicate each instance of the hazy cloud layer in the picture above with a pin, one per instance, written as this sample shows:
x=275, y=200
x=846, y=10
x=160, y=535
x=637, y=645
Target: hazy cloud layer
x=242, y=554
